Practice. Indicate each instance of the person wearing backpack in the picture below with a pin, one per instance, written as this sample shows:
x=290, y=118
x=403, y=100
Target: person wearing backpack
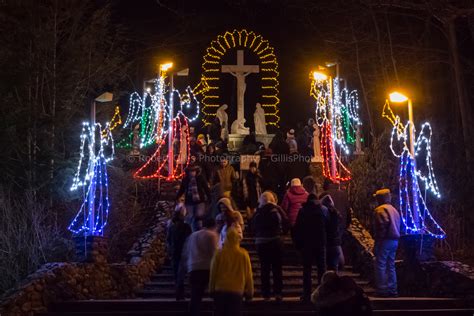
x=387, y=233
x=266, y=224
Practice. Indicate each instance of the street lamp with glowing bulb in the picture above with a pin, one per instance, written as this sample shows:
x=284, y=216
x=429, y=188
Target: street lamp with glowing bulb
x=319, y=76
x=166, y=66
x=397, y=97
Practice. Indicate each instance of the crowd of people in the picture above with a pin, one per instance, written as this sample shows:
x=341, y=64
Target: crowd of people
x=215, y=206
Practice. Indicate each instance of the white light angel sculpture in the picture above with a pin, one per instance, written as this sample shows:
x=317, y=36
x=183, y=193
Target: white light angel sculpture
x=153, y=113
x=413, y=177
x=337, y=115
x=97, y=148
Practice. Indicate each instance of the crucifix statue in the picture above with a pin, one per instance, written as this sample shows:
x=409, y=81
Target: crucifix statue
x=240, y=71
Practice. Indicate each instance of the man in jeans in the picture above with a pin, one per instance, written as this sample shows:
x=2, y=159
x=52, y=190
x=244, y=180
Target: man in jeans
x=387, y=233
x=197, y=255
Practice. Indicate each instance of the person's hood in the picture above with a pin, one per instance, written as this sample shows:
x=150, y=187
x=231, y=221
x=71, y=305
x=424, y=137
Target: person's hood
x=232, y=239
x=297, y=190
x=227, y=202
x=327, y=201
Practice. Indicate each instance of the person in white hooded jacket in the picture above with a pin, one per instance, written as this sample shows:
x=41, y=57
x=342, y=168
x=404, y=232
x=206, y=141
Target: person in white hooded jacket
x=228, y=217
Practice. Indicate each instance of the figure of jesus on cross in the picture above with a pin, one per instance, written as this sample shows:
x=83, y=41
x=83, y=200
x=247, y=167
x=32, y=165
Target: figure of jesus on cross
x=240, y=71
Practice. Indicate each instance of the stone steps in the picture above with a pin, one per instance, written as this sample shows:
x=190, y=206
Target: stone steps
x=158, y=296
x=433, y=312
x=291, y=306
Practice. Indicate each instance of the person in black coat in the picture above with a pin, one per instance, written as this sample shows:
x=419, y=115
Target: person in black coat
x=273, y=173
x=252, y=189
x=177, y=233
x=214, y=130
x=335, y=256
x=341, y=201
x=196, y=192
x=309, y=236
x=209, y=163
x=266, y=224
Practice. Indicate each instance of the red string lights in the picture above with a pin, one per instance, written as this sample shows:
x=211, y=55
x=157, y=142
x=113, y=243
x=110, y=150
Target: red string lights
x=155, y=167
x=327, y=147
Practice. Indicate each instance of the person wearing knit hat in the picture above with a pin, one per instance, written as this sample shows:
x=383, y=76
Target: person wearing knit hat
x=387, y=233
x=267, y=227
x=294, y=198
x=291, y=140
x=201, y=141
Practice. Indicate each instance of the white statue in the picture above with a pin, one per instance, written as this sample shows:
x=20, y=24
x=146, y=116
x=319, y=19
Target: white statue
x=259, y=119
x=358, y=150
x=238, y=127
x=240, y=99
x=183, y=146
x=224, y=120
x=316, y=145
x=136, y=141
x=240, y=71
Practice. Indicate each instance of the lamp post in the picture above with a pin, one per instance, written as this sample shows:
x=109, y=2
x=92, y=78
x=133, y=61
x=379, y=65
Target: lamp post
x=105, y=97
x=163, y=70
x=397, y=97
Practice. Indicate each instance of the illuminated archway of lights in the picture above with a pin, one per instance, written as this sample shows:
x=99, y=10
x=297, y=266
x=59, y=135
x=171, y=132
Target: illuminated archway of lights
x=338, y=118
x=412, y=200
x=211, y=66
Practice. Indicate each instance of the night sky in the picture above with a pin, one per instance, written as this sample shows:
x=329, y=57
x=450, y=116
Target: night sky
x=183, y=31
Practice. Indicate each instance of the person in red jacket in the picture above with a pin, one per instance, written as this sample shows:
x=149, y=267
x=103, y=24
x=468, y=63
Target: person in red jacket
x=294, y=198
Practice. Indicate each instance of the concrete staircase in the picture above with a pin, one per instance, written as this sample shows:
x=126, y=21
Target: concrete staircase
x=157, y=297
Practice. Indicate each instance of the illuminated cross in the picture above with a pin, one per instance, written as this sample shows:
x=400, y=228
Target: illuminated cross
x=240, y=71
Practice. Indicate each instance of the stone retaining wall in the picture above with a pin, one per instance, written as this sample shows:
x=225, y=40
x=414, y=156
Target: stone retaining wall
x=359, y=249
x=63, y=281
x=435, y=278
